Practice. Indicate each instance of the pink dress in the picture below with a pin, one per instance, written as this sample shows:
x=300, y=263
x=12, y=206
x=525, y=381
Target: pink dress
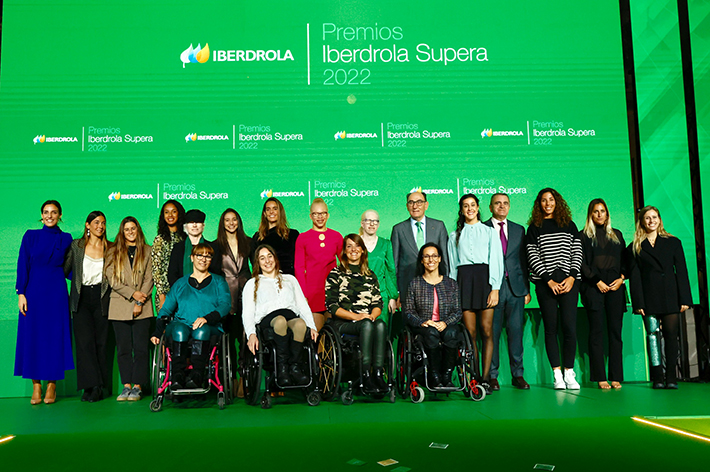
x=314, y=259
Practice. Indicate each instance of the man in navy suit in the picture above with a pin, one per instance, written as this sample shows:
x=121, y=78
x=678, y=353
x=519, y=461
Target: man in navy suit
x=514, y=292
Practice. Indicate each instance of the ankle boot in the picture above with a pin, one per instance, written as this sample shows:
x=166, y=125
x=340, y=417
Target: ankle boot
x=367, y=379
x=433, y=367
x=379, y=382
x=179, y=364
x=200, y=357
x=451, y=357
x=297, y=375
x=282, y=358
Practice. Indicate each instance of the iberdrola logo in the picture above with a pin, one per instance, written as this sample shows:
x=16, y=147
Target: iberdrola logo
x=340, y=135
x=267, y=193
x=191, y=137
x=40, y=138
x=487, y=132
x=195, y=55
x=416, y=189
x=114, y=196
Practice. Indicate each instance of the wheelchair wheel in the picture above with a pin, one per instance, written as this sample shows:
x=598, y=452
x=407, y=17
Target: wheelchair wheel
x=159, y=369
x=252, y=375
x=266, y=402
x=347, y=397
x=467, y=370
x=313, y=398
x=390, y=372
x=477, y=392
x=330, y=362
x=393, y=396
x=226, y=369
x=404, y=366
x=418, y=395
x=221, y=400
x=156, y=405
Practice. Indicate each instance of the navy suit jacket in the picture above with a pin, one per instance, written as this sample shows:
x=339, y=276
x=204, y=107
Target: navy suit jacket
x=516, y=260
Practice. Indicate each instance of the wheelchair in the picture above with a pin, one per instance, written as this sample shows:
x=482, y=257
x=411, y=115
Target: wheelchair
x=341, y=367
x=413, y=366
x=218, y=373
x=265, y=360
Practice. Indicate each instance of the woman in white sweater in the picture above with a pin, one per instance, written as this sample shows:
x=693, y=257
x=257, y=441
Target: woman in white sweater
x=275, y=301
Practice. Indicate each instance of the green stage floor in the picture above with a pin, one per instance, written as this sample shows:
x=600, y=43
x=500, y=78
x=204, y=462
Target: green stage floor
x=511, y=430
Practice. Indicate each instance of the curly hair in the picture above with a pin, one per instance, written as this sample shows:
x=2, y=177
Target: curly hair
x=562, y=214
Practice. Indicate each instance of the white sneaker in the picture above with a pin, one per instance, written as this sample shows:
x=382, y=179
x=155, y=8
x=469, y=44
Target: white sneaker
x=570, y=381
x=559, y=383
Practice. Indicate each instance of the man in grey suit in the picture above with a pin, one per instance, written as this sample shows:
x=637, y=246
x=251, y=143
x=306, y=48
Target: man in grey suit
x=410, y=235
x=514, y=292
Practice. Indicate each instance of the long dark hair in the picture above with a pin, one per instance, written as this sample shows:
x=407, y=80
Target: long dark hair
x=420, y=264
x=282, y=227
x=164, y=229
x=85, y=238
x=562, y=214
x=462, y=218
x=56, y=204
x=120, y=253
x=242, y=239
x=256, y=269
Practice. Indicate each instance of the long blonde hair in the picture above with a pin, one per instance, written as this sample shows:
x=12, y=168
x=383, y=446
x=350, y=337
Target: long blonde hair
x=590, y=228
x=282, y=228
x=640, y=234
x=120, y=254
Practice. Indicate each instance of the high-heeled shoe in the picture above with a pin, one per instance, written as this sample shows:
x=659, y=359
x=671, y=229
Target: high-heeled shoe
x=36, y=395
x=51, y=395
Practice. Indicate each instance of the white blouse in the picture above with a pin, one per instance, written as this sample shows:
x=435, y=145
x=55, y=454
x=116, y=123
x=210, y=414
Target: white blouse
x=270, y=298
x=93, y=271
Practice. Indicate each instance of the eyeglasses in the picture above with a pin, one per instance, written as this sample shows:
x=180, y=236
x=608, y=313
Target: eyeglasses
x=204, y=257
x=415, y=203
x=431, y=257
x=371, y=222
x=319, y=213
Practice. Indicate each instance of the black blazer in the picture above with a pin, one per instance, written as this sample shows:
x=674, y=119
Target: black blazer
x=659, y=277
x=175, y=271
x=516, y=260
x=74, y=270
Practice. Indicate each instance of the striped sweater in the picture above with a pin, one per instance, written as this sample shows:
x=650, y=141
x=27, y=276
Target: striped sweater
x=554, y=253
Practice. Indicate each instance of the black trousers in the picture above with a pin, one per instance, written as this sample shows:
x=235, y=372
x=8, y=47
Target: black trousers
x=373, y=339
x=132, y=338
x=90, y=336
x=567, y=304
x=610, y=305
x=431, y=337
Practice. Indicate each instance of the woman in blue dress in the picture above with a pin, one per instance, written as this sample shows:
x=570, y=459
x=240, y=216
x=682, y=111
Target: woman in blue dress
x=44, y=349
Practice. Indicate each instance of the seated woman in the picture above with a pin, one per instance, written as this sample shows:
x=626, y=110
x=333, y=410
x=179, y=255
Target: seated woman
x=197, y=303
x=274, y=300
x=433, y=310
x=353, y=299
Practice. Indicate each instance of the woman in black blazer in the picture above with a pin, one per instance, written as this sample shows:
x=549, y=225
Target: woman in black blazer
x=660, y=290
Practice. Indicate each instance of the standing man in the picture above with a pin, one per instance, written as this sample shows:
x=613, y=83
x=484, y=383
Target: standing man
x=180, y=261
x=514, y=292
x=407, y=237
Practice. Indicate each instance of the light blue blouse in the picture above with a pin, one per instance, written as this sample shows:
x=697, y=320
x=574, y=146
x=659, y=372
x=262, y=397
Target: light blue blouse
x=479, y=244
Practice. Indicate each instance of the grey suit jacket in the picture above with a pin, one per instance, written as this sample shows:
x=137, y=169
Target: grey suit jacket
x=74, y=269
x=405, y=251
x=516, y=260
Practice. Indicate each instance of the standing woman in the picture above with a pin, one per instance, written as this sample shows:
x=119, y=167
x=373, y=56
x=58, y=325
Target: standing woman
x=129, y=272
x=316, y=250
x=555, y=261
x=354, y=301
x=604, y=271
x=234, y=247
x=381, y=262
x=88, y=302
x=274, y=231
x=171, y=231
x=43, y=328
x=660, y=291
x=476, y=257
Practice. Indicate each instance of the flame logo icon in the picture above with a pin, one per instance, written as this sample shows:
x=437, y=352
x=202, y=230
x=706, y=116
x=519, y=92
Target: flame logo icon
x=487, y=132
x=340, y=135
x=416, y=189
x=195, y=55
x=191, y=137
x=267, y=193
x=40, y=138
x=114, y=196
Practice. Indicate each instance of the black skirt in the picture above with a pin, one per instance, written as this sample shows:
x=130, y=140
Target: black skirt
x=474, y=286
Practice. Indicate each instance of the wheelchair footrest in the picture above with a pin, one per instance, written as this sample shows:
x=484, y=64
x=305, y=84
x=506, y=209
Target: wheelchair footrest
x=190, y=391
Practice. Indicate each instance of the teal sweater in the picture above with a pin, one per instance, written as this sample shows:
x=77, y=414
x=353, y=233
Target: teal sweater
x=187, y=303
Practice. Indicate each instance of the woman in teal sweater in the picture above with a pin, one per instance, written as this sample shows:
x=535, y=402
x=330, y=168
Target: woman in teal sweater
x=197, y=303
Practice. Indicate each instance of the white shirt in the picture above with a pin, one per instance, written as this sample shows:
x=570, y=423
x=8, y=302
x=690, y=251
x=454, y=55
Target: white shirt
x=496, y=225
x=92, y=271
x=270, y=298
x=415, y=230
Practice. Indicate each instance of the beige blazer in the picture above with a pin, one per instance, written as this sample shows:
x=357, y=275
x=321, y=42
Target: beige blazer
x=121, y=300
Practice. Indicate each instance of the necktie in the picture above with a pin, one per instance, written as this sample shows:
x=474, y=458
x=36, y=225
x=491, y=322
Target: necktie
x=503, y=239
x=420, y=235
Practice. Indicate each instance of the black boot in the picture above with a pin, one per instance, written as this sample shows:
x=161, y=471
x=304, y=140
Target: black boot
x=179, y=361
x=200, y=354
x=282, y=358
x=451, y=357
x=433, y=368
x=367, y=379
x=297, y=375
x=379, y=381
